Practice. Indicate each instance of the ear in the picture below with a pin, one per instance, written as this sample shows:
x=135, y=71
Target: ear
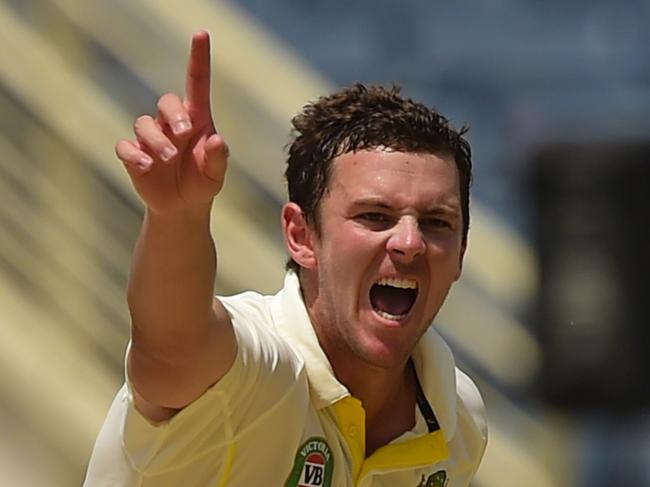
x=298, y=236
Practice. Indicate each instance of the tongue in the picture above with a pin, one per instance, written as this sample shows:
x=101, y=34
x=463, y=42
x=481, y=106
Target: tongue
x=392, y=300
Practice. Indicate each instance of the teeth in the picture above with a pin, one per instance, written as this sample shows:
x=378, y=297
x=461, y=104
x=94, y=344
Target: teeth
x=400, y=283
x=389, y=316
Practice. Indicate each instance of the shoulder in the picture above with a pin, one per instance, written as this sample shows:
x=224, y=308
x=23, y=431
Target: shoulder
x=259, y=342
x=247, y=304
x=251, y=317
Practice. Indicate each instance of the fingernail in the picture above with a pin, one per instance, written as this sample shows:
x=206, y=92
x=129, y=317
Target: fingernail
x=181, y=126
x=168, y=153
x=145, y=162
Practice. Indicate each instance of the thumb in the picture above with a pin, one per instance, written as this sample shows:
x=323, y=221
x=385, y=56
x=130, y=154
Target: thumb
x=215, y=160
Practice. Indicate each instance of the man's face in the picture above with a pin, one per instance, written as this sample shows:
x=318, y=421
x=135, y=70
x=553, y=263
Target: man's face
x=389, y=248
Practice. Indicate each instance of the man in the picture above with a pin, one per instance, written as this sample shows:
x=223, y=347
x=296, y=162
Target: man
x=338, y=380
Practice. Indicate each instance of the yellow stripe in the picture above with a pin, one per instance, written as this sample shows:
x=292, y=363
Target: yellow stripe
x=424, y=450
x=351, y=418
x=228, y=465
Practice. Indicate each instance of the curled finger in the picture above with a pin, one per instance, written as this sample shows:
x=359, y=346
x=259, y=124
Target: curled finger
x=216, y=158
x=172, y=112
x=133, y=157
x=151, y=136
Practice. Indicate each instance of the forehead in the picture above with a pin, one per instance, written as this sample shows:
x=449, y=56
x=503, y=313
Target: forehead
x=386, y=173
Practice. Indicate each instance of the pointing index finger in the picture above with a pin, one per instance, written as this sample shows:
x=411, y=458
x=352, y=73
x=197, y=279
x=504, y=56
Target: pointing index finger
x=197, y=82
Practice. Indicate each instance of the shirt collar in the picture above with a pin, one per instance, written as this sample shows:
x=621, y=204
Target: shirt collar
x=433, y=359
x=436, y=370
x=293, y=322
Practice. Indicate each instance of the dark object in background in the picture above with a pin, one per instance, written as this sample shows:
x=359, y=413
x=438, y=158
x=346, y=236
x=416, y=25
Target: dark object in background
x=592, y=225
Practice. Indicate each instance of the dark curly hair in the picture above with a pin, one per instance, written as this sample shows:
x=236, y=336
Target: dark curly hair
x=365, y=117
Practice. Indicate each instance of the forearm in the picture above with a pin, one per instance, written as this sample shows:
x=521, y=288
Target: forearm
x=182, y=340
x=170, y=291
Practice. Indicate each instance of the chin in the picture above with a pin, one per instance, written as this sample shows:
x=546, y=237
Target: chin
x=384, y=354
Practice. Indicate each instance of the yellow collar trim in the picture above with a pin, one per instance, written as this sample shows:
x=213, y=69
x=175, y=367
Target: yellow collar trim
x=423, y=450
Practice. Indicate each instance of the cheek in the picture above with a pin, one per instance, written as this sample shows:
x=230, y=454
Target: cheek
x=341, y=255
x=352, y=245
x=445, y=262
x=446, y=248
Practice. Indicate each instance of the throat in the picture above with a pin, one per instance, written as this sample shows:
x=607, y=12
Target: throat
x=390, y=419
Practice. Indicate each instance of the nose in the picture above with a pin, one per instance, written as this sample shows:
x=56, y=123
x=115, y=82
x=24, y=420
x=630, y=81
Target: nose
x=406, y=242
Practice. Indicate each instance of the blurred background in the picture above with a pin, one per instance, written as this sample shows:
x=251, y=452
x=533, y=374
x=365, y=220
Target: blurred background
x=550, y=316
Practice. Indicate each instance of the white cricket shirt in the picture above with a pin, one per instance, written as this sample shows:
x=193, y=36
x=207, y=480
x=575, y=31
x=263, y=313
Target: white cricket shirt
x=279, y=418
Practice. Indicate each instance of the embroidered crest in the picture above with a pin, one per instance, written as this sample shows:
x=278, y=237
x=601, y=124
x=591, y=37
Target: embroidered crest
x=438, y=479
x=313, y=465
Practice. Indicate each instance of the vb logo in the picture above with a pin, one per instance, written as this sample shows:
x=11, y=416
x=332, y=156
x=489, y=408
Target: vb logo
x=313, y=465
x=313, y=472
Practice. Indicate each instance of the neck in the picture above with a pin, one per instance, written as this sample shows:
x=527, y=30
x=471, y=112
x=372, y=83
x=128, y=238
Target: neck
x=387, y=393
x=377, y=388
x=388, y=398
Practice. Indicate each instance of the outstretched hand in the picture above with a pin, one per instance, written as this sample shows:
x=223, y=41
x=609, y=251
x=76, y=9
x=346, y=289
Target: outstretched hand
x=177, y=161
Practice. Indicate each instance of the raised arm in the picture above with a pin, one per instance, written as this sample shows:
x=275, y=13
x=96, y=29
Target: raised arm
x=182, y=338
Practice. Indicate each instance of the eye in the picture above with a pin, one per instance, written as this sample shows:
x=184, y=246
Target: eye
x=435, y=223
x=374, y=220
x=373, y=217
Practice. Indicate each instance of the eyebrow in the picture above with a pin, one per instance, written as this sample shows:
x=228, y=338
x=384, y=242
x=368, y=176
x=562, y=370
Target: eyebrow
x=438, y=209
x=371, y=201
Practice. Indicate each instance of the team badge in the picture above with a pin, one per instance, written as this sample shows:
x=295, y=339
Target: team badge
x=313, y=465
x=438, y=479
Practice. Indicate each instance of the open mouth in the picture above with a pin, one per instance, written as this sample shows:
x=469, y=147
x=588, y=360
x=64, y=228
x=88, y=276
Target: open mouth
x=393, y=298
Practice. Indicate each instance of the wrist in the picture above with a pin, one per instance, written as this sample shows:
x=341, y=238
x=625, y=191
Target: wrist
x=196, y=215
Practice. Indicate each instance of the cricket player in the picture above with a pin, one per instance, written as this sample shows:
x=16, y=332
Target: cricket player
x=339, y=379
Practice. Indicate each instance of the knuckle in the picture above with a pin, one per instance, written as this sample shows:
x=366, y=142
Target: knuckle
x=121, y=147
x=141, y=121
x=166, y=100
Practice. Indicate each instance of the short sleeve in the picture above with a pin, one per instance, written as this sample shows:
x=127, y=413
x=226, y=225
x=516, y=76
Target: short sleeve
x=265, y=371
